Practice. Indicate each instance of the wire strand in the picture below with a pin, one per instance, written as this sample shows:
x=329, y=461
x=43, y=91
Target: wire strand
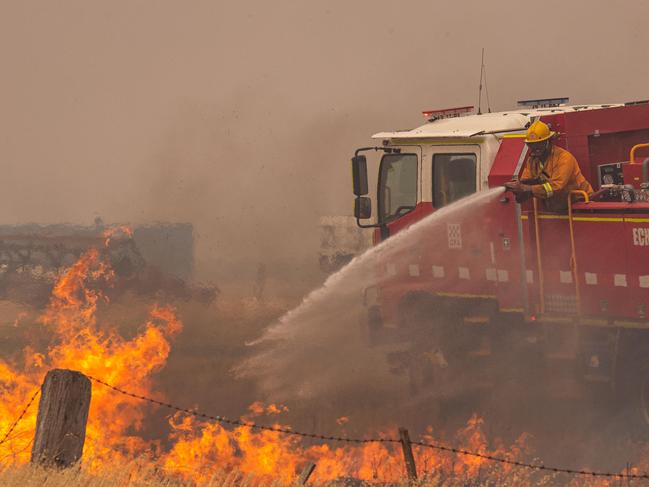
x=238, y=422
x=288, y=431
x=15, y=423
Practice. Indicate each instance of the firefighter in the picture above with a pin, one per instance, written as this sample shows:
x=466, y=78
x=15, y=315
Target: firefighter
x=550, y=173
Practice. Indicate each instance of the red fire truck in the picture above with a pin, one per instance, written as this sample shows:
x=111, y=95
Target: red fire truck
x=572, y=286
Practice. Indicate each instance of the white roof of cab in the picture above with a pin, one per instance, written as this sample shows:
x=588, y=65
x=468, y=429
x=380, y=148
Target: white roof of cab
x=486, y=123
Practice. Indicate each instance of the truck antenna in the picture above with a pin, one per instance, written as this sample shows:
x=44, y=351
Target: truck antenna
x=483, y=75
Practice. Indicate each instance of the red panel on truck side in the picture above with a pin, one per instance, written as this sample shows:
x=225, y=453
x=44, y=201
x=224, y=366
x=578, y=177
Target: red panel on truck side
x=612, y=250
x=636, y=240
x=506, y=161
x=602, y=262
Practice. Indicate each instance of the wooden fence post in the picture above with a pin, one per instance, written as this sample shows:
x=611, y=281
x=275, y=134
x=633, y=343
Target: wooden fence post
x=62, y=417
x=306, y=473
x=408, y=457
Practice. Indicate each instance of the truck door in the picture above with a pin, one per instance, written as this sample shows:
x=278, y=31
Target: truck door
x=399, y=190
x=456, y=251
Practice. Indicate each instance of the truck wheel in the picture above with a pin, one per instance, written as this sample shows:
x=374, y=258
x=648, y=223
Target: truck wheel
x=423, y=327
x=423, y=318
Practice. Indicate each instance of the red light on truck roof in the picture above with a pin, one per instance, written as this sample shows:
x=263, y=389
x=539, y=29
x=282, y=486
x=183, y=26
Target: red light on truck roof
x=446, y=112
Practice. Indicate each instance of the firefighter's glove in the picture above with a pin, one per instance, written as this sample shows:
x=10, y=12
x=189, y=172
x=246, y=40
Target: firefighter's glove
x=521, y=191
x=513, y=186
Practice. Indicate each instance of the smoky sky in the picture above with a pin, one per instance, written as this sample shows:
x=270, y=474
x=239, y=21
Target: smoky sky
x=241, y=116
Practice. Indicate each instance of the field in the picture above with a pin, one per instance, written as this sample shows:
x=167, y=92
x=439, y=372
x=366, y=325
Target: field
x=29, y=476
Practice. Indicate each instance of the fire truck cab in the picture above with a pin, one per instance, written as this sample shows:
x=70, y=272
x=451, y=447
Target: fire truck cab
x=574, y=284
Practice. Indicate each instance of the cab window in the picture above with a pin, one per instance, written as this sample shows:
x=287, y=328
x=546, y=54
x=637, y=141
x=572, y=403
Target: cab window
x=454, y=177
x=397, y=185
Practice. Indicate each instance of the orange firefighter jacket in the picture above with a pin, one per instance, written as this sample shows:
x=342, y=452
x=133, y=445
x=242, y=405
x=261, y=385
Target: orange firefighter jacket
x=555, y=178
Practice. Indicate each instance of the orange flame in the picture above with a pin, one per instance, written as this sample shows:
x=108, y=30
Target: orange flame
x=79, y=344
x=198, y=449
x=272, y=456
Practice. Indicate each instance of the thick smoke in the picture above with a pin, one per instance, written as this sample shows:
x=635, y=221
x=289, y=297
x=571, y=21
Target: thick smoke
x=241, y=118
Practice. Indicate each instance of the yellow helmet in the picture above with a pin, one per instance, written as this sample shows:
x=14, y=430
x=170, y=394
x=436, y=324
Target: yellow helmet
x=538, y=132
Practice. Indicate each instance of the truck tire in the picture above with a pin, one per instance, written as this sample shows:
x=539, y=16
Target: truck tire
x=423, y=325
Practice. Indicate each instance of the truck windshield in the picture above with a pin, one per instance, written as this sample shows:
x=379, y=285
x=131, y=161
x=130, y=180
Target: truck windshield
x=397, y=185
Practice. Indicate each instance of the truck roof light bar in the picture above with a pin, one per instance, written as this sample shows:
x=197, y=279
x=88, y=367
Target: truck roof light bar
x=544, y=102
x=636, y=102
x=432, y=115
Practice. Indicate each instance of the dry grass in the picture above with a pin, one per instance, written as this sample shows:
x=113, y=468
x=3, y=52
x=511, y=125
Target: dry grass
x=137, y=475
x=124, y=476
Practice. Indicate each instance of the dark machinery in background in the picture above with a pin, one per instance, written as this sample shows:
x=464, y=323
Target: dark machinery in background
x=147, y=259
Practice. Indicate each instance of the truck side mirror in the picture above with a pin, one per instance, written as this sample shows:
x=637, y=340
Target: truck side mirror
x=362, y=207
x=359, y=175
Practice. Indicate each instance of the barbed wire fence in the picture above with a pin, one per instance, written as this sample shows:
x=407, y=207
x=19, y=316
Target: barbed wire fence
x=329, y=438
x=11, y=429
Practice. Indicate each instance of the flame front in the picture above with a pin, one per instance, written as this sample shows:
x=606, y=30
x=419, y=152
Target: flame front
x=200, y=449
x=78, y=343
